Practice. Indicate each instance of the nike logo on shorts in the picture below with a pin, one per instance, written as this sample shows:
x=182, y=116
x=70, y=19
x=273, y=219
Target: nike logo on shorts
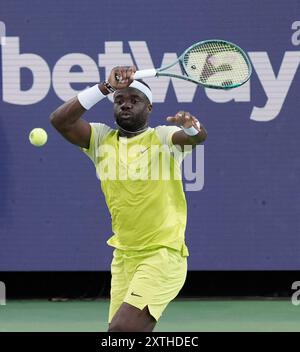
x=133, y=294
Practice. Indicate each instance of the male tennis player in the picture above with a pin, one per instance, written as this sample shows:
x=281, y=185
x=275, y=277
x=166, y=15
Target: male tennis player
x=149, y=264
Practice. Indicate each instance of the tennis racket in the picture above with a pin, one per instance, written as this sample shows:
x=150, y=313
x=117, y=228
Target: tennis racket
x=215, y=63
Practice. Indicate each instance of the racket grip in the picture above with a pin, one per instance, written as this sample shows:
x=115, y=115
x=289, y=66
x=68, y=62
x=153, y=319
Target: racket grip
x=145, y=73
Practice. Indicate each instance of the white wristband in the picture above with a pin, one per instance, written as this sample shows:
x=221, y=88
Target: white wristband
x=191, y=131
x=90, y=96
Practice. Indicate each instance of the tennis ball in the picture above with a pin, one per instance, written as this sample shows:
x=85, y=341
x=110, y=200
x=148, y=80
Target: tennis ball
x=38, y=137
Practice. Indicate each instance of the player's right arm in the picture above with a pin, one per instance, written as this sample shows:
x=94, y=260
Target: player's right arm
x=67, y=120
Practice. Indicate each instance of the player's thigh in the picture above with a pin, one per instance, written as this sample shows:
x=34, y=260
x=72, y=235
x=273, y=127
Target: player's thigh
x=131, y=319
x=157, y=281
x=119, y=283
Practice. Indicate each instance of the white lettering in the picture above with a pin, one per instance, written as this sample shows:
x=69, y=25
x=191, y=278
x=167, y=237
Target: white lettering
x=117, y=342
x=12, y=62
x=184, y=90
x=276, y=88
x=296, y=35
x=2, y=294
x=188, y=166
x=224, y=96
x=295, y=296
x=62, y=77
x=2, y=33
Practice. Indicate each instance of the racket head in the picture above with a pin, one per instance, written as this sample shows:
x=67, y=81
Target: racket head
x=217, y=64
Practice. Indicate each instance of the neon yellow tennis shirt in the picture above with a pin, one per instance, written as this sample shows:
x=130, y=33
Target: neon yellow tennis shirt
x=141, y=181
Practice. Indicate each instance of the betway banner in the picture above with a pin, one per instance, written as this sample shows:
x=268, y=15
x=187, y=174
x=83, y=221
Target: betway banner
x=243, y=186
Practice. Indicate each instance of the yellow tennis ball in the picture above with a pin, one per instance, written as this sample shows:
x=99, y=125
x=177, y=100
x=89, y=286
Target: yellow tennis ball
x=38, y=137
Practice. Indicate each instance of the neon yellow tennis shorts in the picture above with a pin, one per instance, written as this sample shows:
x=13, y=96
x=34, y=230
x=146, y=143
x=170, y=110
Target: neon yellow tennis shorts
x=150, y=278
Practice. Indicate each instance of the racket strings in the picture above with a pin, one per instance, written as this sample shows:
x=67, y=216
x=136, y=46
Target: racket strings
x=217, y=64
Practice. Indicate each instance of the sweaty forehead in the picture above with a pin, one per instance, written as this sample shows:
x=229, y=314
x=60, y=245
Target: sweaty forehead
x=129, y=92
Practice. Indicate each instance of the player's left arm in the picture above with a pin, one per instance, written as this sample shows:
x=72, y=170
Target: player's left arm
x=186, y=120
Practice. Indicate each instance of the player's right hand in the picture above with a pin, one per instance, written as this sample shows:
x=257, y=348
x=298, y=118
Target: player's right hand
x=121, y=76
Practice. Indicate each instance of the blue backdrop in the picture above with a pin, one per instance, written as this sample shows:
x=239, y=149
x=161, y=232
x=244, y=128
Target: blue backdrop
x=52, y=213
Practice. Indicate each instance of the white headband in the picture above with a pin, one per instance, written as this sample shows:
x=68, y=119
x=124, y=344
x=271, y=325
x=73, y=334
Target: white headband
x=142, y=88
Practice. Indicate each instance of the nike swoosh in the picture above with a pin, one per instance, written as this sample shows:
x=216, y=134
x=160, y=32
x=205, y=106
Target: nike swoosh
x=143, y=151
x=133, y=294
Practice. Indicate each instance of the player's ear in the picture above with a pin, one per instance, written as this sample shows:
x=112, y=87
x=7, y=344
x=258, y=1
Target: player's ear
x=149, y=107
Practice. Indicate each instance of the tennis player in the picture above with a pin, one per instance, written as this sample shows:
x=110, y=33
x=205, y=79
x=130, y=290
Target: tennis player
x=148, y=214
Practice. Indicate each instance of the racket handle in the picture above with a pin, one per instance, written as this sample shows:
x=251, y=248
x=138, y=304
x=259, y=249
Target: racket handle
x=145, y=73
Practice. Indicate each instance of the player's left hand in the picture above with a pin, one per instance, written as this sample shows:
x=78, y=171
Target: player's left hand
x=184, y=119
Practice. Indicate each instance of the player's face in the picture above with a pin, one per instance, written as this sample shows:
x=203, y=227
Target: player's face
x=131, y=109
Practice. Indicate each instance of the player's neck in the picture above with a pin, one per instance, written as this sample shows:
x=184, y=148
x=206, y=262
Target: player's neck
x=129, y=134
